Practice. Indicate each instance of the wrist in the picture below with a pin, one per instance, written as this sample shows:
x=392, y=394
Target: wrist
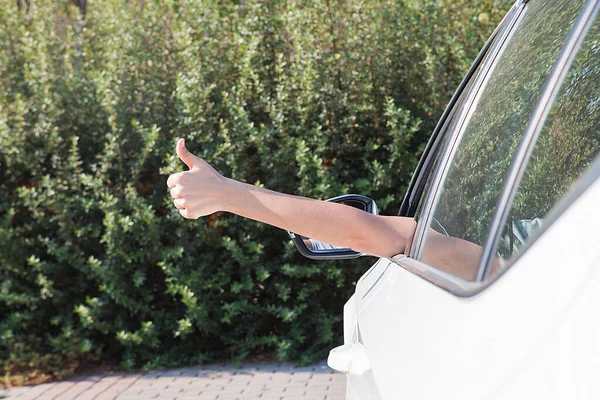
x=233, y=195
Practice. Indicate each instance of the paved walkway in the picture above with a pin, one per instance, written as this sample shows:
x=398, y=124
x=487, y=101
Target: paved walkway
x=207, y=382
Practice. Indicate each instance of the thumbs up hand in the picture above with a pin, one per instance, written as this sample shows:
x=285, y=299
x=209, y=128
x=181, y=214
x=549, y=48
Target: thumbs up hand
x=199, y=191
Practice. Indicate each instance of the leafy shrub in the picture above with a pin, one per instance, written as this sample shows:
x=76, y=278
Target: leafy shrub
x=317, y=98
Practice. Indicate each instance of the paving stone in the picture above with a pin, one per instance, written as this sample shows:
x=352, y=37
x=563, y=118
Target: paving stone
x=306, y=397
x=207, y=397
x=272, y=381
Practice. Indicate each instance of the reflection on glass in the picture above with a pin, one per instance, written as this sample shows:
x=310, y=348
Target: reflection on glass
x=495, y=128
x=446, y=129
x=568, y=143
x=317, y=245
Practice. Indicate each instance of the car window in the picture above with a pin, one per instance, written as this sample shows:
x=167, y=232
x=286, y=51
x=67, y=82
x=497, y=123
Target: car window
x=567, y=145
x=493, y=130
x=438, y=147
x=444, y=137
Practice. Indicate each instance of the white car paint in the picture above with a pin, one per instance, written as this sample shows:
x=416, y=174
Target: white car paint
x=533, y=334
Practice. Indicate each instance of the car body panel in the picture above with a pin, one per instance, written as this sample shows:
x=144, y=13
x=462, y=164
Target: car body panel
x=528, y=329
x=423, y=342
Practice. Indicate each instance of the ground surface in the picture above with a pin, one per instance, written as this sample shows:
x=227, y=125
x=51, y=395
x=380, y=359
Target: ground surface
x=207, y=382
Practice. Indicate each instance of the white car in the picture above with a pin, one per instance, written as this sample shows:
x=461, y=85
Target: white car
x=512, y=167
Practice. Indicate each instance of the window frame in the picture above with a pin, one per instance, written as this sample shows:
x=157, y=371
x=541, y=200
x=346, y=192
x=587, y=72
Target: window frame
x=411, y=261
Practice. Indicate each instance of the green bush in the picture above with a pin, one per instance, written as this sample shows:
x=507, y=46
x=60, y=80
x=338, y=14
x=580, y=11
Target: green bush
x=317, y=98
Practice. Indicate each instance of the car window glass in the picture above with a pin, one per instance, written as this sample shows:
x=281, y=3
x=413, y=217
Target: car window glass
x=490, y=136
x=568, y=143
x=443, y=139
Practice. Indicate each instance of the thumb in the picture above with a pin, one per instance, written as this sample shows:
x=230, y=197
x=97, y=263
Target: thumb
x=184, y=154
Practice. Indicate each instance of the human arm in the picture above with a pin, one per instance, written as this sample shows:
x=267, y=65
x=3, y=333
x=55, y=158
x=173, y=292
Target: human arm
x=202, y=191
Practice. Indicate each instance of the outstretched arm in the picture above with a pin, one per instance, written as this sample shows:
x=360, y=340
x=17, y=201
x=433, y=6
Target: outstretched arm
x=202, y=191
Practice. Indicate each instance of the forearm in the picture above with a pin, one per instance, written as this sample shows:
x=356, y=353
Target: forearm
x=337, y=224
x=202, y=191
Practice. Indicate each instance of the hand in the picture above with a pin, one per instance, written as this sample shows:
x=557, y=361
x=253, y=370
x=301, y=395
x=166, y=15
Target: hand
x=199, y=191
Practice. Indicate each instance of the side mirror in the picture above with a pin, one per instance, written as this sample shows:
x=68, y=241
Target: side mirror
x=317, y=250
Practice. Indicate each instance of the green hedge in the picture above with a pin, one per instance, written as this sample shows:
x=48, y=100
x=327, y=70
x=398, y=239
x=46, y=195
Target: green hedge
x=317, y=98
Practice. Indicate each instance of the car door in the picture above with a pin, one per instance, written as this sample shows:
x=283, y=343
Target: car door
x=511, y=171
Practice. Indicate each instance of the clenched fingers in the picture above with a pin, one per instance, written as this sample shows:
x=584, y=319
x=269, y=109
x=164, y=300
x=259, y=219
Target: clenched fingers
x=176, y=192
x=174, y=179
x=179, y=203
x=186, y=213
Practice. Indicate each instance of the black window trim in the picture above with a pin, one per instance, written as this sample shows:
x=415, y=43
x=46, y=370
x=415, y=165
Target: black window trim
x=456, y=285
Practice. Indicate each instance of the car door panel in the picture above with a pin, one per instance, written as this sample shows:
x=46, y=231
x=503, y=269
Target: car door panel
x=424, y=343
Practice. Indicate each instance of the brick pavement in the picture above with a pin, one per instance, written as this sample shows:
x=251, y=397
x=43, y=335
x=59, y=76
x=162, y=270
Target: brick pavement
x=205, y=382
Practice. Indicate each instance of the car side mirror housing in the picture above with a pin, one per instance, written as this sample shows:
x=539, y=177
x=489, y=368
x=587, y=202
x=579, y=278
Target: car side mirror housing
x=317, y=250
